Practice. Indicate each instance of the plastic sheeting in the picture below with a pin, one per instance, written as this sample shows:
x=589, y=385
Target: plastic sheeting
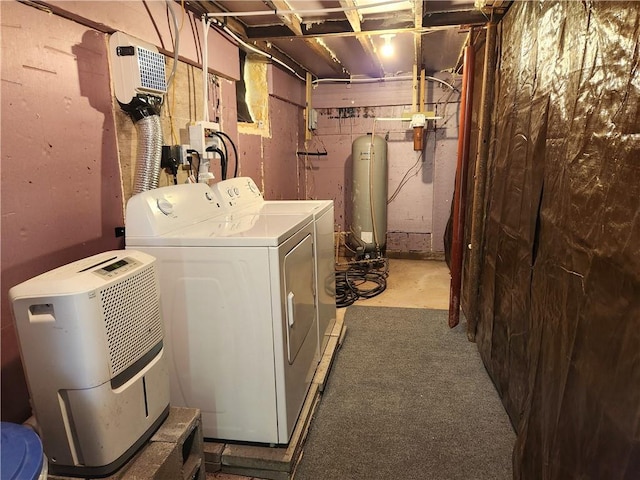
x=559, y=319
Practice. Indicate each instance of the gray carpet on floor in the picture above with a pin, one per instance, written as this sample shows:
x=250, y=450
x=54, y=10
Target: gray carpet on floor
x=407, y=398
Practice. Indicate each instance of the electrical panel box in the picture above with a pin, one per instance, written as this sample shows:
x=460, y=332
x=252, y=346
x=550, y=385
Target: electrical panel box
x=202, y=137
x=312, y=121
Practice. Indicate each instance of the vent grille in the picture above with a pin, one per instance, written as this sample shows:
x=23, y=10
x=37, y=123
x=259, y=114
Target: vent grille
x=152, y=74
x=131, y=310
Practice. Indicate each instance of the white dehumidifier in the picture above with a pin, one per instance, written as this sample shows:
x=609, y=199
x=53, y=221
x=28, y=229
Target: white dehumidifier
x=91, y=342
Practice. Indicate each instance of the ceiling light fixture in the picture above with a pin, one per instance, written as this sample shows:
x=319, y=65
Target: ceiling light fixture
x=387, y=49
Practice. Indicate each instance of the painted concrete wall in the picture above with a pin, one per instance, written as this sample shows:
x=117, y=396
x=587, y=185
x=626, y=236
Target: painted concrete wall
x=417, y=214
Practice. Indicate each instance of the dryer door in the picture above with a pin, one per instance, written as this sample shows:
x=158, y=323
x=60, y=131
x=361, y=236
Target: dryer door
x=299, y=291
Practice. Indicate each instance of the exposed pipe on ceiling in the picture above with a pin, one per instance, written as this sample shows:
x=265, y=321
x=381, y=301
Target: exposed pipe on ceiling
x=250, y=47
x=378, y=80
x=205, y=69
x=276, y=11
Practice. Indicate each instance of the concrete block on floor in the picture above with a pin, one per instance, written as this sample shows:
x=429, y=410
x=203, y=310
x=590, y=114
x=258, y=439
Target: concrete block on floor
x=174, y=452
x=157, y=461
x=258, y=474
x=228, y=476
x=213, y=456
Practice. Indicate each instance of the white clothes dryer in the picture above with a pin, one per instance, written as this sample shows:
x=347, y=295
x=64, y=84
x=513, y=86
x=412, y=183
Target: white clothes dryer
x=243, y=191
x=237, y=294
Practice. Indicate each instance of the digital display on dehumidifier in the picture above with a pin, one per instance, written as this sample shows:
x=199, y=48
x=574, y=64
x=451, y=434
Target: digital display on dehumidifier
x=115, y=265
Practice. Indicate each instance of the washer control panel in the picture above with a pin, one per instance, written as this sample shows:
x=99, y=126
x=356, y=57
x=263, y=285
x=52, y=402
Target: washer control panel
x=238, y=192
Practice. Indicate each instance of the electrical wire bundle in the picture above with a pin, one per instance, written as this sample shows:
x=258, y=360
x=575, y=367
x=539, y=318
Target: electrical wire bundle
x=224, y=156
x=361, y=279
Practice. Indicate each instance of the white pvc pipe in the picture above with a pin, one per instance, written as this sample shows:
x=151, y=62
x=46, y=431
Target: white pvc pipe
x=205, y=69
x=275, y=11
x=176, y=44
x=248, y=46
x=400, y=119
x=378, y=80
x=360, y=80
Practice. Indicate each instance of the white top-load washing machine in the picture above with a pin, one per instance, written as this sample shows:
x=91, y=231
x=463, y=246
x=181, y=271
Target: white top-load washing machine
x=243, y=191
x=237, y=293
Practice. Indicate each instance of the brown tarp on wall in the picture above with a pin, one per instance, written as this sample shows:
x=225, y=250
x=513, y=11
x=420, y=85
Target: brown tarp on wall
x=559, y=316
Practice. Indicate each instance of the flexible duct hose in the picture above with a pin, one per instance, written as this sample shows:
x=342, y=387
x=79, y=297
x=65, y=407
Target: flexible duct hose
x=144, y=110
x=149, y=153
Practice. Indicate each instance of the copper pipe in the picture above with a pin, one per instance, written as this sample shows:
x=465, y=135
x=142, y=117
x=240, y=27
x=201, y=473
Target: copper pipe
x=479, y=186
x=464, y=140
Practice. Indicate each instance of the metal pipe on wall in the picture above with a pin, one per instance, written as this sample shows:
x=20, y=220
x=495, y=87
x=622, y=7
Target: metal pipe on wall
x=464, y=140
x=479, y=186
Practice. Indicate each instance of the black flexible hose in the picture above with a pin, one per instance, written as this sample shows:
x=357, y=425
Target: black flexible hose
x=362, y=279
x=193, y=169
x=223, y=143
x=223, y=161
x=235, y=151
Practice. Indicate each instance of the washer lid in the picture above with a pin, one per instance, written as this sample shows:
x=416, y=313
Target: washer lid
x=242, y=229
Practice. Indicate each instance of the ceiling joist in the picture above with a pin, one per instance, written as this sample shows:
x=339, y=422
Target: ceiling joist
x=290, y=20
x=308, y=33
x=365, y=40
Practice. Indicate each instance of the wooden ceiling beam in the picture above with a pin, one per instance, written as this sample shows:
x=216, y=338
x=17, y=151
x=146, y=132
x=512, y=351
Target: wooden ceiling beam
x=293, y=23
x=327, y=28
x=365, y=41
x=417, y=39
x=290, y=20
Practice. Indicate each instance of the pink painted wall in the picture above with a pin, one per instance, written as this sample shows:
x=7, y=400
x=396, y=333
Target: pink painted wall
x=61, y=181
x=150, y=21
x=61, y=186
x=416, y=218
x=229, y=119
x=272, y=161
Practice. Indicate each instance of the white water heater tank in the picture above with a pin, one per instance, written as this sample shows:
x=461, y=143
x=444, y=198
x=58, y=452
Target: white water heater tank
x=369, y=194
x=91, y=342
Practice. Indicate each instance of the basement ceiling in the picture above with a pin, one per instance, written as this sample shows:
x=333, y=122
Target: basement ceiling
x=343, y=39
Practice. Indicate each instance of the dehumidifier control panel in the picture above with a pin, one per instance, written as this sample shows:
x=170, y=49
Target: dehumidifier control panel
x=115, y=269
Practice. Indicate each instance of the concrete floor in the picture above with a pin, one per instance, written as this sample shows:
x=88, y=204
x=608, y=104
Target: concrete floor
x=414, y=284
x=410, y=284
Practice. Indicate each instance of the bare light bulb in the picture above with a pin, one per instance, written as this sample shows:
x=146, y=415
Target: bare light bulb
x=387, y=49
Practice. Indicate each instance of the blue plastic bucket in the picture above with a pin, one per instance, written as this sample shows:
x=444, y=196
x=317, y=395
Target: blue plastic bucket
x=22, y=456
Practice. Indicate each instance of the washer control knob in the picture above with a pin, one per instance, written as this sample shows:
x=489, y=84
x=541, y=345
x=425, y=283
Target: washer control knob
x=165, y=206
x=230, y=192
x=208, y=195
x=236, y=190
